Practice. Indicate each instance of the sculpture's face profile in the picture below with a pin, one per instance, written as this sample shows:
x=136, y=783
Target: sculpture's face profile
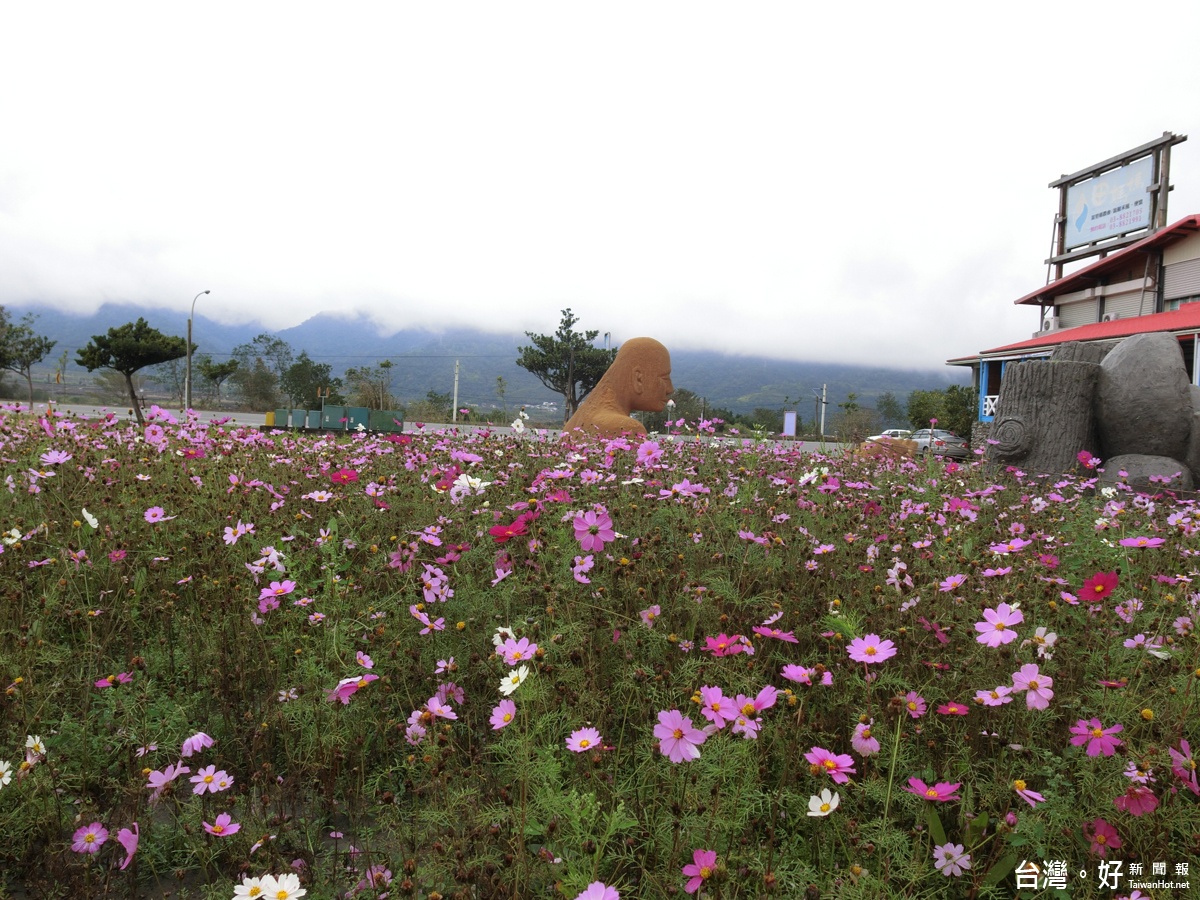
x=652, y=383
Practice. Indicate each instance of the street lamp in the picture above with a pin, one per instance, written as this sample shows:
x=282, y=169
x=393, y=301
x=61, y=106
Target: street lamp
x=187, y=378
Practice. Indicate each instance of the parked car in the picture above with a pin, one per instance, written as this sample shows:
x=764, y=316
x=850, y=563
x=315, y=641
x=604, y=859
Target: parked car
x=940, y=443
x=892, y=434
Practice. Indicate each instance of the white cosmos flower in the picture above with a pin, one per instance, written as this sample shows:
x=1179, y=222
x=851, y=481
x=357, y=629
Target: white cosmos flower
x=512, y=680
x=824, y=803
x=90, y=519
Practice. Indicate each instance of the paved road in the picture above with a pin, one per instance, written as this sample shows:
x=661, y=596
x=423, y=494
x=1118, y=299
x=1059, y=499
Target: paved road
x=254, y=420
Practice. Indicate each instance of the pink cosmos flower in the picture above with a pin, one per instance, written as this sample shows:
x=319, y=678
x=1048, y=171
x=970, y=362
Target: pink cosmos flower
x=503, y=714
x=804, y=675
x=113, y=680
x=89, y=838
x=1098, y=738
x=1183, y=766
x=679, y=740
x=650, y=615
x=515, y=652
x=1033, y=798
x=941, y=792
x=128, y=839
x=838, y=766
x=156, y=514
x=1102, y=836
x=765, y=699
x=952, y=709
x=598, y=890
x=223, y=826
x=715, y=706
x=1141, y=541
x=158, y=781
x=914, y=704
x=195, y=744
x=1036, y=686
x=593, y=530
x=863, y=741
x=348, y=687
x=1137, y=801
x=724, y=645
x=995, y=630
x=870, y=649
x=951, y=583
x=700, y=869
x=277, y=589
x=583, y=739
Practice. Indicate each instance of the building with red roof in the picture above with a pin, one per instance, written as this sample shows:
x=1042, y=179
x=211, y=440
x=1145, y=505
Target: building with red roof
x=1150, y=285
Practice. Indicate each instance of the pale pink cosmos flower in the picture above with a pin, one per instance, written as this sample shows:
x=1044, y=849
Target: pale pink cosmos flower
x=593, y=530
x=503, y=715
x=583, y=739
x=223, y=826
x=1036, y=686
x=863, y=740
x=347, y=687
x=598, y=890
x=158, y=781
x=997, y=696
x=516, y=652
x=128, y=838
x=870, y=649
x=195, y=744
x=996, y=629
x=210, y=780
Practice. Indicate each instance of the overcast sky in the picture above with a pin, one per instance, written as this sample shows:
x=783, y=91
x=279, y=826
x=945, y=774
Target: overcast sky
x=865, y=183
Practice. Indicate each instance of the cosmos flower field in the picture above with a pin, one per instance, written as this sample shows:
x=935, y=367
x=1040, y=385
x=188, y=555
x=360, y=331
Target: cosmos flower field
x=243, y=663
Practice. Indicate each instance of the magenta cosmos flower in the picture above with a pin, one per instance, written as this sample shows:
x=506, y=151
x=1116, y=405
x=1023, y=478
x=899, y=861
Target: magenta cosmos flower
x=679, y=741
x=583, y=740
x=700, y=869
x=870, y=649
x=1033, y=798
x=1098, y=586
x=1098, y=738
x=914, y=704
x=593, y=530
x=89, y=838
x=941, y=792
x=1103, y=837
x=996, y=628
x=838, y=766
x=1036, y=686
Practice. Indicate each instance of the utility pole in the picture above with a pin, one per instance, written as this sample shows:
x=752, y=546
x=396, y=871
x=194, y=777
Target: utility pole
x=454, y=405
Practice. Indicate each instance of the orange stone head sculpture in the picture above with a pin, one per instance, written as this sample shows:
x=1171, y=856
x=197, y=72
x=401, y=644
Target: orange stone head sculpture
x=638, y=379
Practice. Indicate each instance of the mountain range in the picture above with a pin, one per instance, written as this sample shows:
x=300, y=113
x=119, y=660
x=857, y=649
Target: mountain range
x=425, y=361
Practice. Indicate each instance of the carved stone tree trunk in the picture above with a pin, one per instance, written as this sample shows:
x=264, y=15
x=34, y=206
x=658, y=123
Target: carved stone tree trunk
x=1044, y=416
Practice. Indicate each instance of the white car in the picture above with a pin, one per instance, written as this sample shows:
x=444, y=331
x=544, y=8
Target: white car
x=891, y=434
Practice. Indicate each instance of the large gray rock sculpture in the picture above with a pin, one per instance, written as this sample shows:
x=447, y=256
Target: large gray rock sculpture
x=1133, y=407
x=1149, y=474
x=1143, y=401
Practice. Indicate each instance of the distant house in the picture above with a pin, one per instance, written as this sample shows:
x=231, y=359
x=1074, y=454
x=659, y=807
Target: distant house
x=1152, y=285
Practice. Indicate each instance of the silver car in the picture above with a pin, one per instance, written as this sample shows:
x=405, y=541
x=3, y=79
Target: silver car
x=941, y=443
